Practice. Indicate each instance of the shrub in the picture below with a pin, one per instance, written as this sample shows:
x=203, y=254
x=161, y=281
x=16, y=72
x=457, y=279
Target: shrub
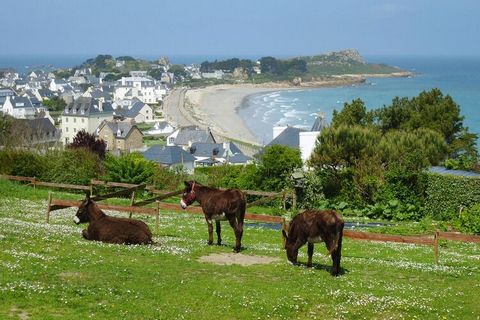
x=74, y=166
x=469, y=220
x=445, y=194
x=129, y=168
x=21, y=163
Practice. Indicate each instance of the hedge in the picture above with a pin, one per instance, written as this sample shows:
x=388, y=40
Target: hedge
x=447, y=193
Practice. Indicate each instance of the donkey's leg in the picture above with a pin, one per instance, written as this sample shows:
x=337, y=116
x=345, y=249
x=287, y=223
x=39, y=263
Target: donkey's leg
x=210, y=231
x=218, y=229
x=238, y=229
x=310, y=255
x=85, y=234
x=336, y=257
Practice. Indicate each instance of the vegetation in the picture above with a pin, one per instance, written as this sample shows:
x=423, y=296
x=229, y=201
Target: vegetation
x=374, y=161
x=88, y=141
x=128, y=168
x=49, y=270
x=54, y=104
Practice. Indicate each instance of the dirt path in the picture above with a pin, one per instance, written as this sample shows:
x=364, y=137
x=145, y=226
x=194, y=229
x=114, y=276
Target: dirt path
x=237, y=258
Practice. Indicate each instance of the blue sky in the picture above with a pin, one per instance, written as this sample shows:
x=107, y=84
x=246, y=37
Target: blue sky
x=243, y=27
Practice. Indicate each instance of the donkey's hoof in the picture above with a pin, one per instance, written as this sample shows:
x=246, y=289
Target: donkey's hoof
x=210, y=243
x=219, y=243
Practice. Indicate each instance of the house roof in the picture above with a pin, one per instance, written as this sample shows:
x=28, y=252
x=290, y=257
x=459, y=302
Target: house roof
x=20, y=102
x=193, y=134
x=200, y=149
x=320, y=123
x=168, y=155
x=288, y=137
x=239, y=158
x=86, y=106
x=120, y=129
x=134, y=110
x=462, y=173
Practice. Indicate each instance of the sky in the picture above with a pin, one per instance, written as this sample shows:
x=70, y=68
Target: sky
x=239, y=28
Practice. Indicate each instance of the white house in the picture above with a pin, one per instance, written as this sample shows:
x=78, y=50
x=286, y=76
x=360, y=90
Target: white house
x=19, y=107
x=299, y=138
x=59, y=85
x=86, y=114
x=138, y=112
x=160, y=128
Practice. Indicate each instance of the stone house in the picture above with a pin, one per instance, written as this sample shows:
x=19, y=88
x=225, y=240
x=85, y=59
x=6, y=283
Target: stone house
x=120, y=136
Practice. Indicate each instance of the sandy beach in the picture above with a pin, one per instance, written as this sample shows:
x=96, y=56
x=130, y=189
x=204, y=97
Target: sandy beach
x=217, y=106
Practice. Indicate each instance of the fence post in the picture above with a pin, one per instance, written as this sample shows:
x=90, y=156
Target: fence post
x=47, y=216
x=157, y=216
x=435, y=246
x=34, y=182
x=284, y=200
x=132, y=202
x=294, y=200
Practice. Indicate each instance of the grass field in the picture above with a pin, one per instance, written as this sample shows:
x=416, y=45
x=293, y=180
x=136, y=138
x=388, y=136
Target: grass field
x=51, y=272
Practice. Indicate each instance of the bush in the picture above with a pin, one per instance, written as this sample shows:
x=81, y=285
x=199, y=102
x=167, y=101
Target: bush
x=228, y=176
x=74, y=166
x=469, y=220
x=445, y=194
x=169, y=179
x=129, y=168
x=21, y=163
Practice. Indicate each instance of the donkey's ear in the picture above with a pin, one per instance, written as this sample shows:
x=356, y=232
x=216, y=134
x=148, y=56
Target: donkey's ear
x=187, y=184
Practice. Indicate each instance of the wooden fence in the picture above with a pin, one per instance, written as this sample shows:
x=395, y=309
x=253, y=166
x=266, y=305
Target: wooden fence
x=138, y=207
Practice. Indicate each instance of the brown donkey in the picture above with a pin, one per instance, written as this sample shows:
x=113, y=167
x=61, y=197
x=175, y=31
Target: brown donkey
x=111, y=229
x=315, y=226
x=218, y=205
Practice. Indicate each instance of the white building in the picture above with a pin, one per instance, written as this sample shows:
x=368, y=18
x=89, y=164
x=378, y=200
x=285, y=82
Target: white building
x=83, y=114
x=19, y=107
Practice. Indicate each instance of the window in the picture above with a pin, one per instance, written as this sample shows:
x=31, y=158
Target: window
x=66, y=129
x=83, y=120
x=74, y=129
x=74, y=120
x=66, y=119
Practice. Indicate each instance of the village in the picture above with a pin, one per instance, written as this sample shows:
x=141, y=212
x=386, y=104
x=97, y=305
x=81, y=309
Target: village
x=126, y=114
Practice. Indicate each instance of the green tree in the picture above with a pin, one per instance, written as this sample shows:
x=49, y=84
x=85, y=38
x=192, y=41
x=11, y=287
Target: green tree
x=354, y=113
x=277, y=163
x=178, y=70
x=54, y=104
x=129, y=168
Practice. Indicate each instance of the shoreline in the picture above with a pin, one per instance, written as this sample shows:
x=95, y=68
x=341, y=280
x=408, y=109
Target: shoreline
x=217, y=107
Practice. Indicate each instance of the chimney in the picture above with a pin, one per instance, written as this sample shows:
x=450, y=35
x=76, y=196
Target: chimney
x=100, y=105
x=119, y=133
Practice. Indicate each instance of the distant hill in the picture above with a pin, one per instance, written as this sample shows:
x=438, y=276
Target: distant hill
x=344, y=62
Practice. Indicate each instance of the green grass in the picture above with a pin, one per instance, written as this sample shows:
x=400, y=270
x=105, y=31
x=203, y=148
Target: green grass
x=51, y=272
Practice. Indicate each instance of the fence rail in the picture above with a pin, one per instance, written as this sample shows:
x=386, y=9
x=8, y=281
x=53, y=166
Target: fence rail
x=56, y=204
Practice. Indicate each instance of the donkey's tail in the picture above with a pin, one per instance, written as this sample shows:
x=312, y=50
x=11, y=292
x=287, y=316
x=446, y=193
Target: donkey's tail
x=337, y=238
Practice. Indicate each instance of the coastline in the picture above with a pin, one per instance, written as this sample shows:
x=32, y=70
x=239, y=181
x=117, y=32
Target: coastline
x=216, y=107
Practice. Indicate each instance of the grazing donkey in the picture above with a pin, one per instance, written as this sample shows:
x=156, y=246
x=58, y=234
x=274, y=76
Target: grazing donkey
x=315, y=226
x=217, y=205
x=111, y=229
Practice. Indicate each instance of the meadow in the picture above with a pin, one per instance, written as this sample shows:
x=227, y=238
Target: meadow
x=48, y=271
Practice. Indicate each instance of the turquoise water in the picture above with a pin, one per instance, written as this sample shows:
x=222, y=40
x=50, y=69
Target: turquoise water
x=458, y=77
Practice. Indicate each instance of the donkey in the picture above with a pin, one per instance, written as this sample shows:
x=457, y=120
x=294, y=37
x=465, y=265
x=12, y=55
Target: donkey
x=111, y=229
x=315, y=226
x=218, y=205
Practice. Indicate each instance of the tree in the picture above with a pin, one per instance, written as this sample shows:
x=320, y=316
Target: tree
x=354, y=113
x=178, y=70
x=130, y=168
x=54, y=104
x=269, y=65
x=88, y=141
x=277, y=163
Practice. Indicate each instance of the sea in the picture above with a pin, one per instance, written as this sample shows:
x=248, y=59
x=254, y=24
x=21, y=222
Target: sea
x=458, y=77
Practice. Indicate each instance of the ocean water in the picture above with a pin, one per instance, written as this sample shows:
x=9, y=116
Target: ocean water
x=458, y=77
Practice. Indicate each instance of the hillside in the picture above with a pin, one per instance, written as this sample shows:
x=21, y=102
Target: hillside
x=344, y=62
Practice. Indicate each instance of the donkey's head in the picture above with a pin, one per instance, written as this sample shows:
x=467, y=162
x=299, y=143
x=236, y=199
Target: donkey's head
x=188, y=196
x=82, y=215
x=289, y=242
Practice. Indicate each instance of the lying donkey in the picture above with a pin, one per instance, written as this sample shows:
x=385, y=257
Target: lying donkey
x=315, y=226
x=111, y=229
